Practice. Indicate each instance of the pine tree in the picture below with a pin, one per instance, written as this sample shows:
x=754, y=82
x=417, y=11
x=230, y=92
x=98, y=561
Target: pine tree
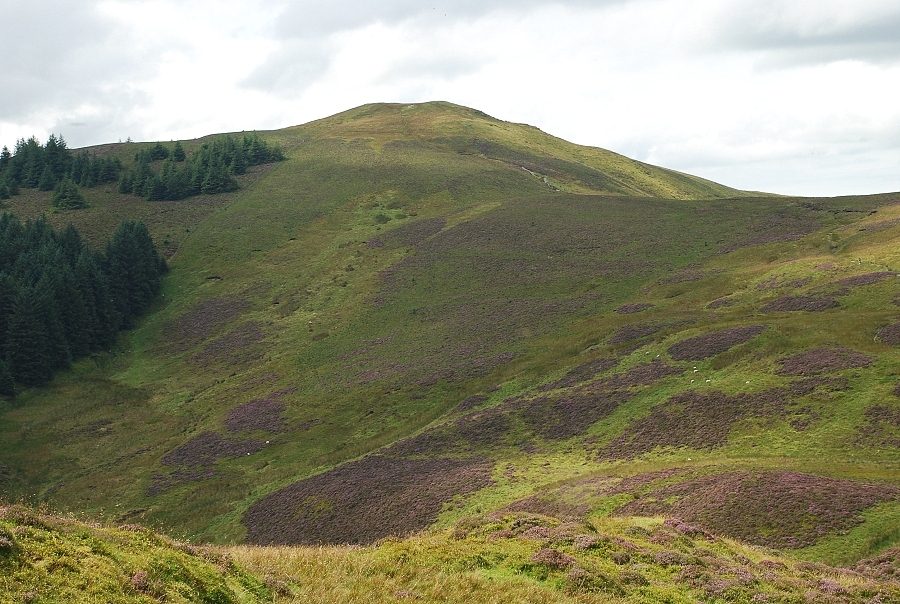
x=30, y=359
x=5, y=158
x=178, y=152
x=8, y=295
x=68, y=197
x=47, y=182
x=7, y=384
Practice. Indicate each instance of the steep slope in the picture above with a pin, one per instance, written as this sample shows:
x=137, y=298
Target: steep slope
x=497, y=314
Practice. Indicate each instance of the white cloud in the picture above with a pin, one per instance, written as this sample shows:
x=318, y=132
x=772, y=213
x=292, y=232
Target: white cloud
x=788, y=96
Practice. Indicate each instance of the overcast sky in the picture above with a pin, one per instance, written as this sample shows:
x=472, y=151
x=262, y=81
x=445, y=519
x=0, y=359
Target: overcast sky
x=790, y=96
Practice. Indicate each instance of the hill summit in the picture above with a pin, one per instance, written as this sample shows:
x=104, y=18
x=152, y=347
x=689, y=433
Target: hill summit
x=424, y=315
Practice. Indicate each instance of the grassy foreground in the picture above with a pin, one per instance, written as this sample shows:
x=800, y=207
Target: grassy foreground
x=509, y=558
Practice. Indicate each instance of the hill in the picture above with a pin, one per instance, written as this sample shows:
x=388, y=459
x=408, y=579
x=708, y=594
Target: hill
x=426, y=314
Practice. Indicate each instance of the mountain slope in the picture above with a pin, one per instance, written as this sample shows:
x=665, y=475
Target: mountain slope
x=401, y=285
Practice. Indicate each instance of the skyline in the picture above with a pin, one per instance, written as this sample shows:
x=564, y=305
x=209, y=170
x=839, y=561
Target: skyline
x=788, y=97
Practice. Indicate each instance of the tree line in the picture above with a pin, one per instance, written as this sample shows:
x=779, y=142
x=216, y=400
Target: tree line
x=53, y=166
x=61, y=300
x=158, y=172
x=210, y=169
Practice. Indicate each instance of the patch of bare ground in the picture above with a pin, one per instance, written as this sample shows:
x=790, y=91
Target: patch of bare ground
x=882, y=427
x=628, y=309
x=703, y=420
x=260, y=414
x=581, y=373
x=236, y=347
x=362, y=501
x=409, y=234
x=777, y=509
x=823, y=360
x=713, y=343
x=201, y=321
x=800, y=303
x=890, y=334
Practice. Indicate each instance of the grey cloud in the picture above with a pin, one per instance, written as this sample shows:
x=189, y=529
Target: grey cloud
x=432, y=67
x=64, y=57
x=295, y=65
x=302, y=27
x=310, y=18
x=762, y=26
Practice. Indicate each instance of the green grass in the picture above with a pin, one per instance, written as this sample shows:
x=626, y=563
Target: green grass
x=518, y=268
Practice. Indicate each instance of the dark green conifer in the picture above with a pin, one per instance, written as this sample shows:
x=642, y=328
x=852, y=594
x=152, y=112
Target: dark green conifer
x=47, y=182
x=68, y=197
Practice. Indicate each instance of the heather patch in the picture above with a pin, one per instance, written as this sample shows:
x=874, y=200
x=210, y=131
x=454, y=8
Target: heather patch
x=552, y=558
x=800, y=303
x=882, y=427
x=208, y=448
x=234, y=348
x=776, y=509
x=823, y=360
x=571, y=414
x=434, y=441
x=682, y=276
x=720, y=303
x=779, y=225
x=628, y=309
x=261, y=414
x=866, y=279
x=409, y=234
x=640, y=375
x=575, y=499
x=469, y=403
x=364, y=500
x=775, y=283
x=482, y=428
x=884, y=566
x=161, y=483
x=204, y=319
x=581, y=373
x=703, y=420
x=630, y=333
x=713, y=343
x=890, y=334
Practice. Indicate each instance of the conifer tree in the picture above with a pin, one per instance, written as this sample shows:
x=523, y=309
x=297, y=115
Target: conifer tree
x=178, y=152
x=28, y=345
x=7, y=385
x=47, y=181
x=68, y=197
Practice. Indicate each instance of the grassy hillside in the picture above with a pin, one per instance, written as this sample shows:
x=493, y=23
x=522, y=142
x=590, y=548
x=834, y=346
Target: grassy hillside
x=516, y=557
x=427, y=314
